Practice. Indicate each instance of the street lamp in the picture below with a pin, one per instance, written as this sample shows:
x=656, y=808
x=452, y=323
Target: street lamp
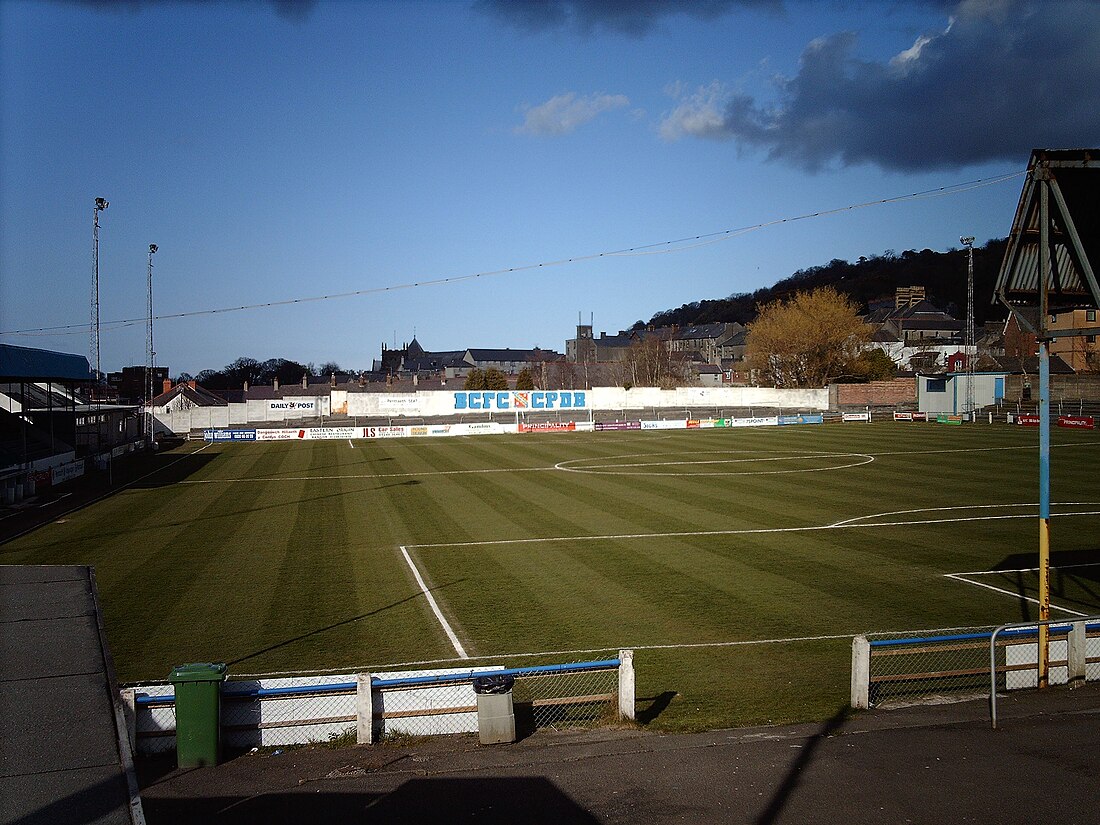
x=150, y=355
x=969, y=345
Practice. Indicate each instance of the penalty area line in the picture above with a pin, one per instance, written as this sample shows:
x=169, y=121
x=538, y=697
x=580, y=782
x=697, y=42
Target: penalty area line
x=459, y=649
x=957, y=577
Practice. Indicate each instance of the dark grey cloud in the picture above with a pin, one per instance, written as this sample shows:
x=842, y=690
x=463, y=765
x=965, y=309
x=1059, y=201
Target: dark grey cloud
x=294, y=10
x=631, y=17
x=1005, y=76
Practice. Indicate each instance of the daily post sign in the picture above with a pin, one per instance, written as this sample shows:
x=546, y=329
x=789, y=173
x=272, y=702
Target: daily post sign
x=478, y=401
x=293, y=405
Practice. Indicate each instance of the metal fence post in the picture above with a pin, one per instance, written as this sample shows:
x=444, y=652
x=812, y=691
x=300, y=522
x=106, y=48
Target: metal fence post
x=129, y=709
x=1075, y=655
x=364, y=710
x=626, y=685
x=861, y=673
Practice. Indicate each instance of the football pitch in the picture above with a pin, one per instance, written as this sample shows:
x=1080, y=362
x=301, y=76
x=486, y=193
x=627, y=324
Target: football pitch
x=737, y=563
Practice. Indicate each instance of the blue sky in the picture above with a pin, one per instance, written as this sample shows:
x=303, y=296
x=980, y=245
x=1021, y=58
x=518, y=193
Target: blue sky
x=277, y=151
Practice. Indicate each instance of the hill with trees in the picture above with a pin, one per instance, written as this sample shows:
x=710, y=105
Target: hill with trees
x=942, y=274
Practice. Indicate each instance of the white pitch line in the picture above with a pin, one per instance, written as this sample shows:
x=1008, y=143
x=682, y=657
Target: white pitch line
x=849, y=521
x=1022, y=570
x=1053, y=606
x=459, y=649
x=752, y=531
x=350, y=444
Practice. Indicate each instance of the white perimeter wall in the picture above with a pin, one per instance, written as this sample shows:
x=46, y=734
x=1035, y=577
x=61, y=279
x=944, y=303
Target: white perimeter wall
x=439, y=403
x=442, y=403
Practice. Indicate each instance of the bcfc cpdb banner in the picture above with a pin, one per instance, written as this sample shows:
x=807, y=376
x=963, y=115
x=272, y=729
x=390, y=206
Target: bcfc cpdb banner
x=1027, y=420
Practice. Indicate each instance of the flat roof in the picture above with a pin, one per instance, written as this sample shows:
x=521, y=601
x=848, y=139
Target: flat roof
x=26, y=364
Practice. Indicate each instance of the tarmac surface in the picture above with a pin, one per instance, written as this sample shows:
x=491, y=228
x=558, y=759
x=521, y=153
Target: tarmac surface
x=63, y=757
x=925, y=764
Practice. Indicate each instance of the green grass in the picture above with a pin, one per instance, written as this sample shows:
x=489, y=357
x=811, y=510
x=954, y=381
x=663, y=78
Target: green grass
x=286, y=556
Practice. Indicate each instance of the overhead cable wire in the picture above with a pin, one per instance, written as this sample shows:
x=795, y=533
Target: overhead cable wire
x=661, y=247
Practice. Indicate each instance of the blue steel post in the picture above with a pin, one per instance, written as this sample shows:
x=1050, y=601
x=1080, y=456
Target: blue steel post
x=1045, y=264
x=1044, y=509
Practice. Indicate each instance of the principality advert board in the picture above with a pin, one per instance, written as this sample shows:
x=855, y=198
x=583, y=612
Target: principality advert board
x=548, y=427
x=910, y=416
x=1081, y=422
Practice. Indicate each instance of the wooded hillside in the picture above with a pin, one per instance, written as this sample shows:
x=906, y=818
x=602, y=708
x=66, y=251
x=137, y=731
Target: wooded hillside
x=943, y=274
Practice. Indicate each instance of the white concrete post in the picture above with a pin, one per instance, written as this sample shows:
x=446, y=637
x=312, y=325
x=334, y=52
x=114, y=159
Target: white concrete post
x=861, y=673
x=1075, y=658
x=364, y=710
x=626, y=685
x=129, y=710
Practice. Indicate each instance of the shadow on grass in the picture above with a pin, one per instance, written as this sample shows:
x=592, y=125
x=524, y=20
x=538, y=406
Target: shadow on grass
x=789, y=783
x=335, y=625
x=1079, y=568
x=657, y=705
x=138, y=471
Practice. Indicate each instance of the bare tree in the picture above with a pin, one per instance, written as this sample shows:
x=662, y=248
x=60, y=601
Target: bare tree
x=806, y=341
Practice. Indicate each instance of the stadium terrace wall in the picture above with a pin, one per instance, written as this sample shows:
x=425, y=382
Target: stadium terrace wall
x=444, y=403
x=874, y=393
x=448, y=404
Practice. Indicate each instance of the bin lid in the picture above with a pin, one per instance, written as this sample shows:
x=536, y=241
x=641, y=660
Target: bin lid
x=499, y=683
x=198, y=672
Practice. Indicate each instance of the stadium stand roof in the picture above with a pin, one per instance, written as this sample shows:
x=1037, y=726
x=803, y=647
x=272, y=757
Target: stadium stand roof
x=1061, y=198
x=26, y=364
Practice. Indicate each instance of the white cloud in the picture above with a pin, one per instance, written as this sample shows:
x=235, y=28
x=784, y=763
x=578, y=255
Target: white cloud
x=563, y=113
x=699, y=114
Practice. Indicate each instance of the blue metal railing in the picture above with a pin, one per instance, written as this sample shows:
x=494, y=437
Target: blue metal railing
x=1061, y=629
x=147, y=700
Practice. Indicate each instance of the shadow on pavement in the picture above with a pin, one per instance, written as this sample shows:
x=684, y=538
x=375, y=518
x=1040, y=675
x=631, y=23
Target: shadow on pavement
x=486, y=800
x=790, y=781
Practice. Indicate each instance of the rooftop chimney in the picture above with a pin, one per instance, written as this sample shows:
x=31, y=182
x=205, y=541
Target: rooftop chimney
x=167, y=385
x=305, y=380
x=275, y=383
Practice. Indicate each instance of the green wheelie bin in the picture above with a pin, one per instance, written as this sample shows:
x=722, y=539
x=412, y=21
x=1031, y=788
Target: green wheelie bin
x=198, y=690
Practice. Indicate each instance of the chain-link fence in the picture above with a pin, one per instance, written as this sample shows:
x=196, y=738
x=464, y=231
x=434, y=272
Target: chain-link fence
x=567, y=698
x=350, y=708
x=916, y=666
x=903, y=668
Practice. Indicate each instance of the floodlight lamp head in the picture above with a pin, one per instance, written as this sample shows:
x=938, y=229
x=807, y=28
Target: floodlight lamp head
x=152, y=248
x=967, y=240
x=101, y=204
